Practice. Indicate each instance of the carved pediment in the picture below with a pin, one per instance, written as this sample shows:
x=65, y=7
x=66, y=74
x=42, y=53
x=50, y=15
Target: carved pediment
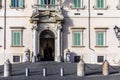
x=47, y=16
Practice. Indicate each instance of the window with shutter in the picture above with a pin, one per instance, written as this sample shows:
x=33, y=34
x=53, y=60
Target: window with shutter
x=12, y=3
x=52, y=2
x=78, y=3
x=21, y=3
x=77, y=39
x=100, y=38
x=16, y=38
x=17, y=3
x=100, y=3
x=41, y=2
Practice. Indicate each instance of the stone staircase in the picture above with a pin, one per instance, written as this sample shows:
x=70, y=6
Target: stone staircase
x=53, y=72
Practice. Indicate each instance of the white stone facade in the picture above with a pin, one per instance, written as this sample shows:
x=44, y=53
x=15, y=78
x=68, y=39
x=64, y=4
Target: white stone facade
x=89, y=20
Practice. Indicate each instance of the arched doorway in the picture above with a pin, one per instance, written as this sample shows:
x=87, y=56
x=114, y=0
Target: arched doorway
x=47, y=45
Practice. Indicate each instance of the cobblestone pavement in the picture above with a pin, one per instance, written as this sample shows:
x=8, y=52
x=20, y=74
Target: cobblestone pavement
x=92, y=71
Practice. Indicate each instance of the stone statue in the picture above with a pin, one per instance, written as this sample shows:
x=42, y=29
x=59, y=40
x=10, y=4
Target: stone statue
x=27, y=55
x=68, y=55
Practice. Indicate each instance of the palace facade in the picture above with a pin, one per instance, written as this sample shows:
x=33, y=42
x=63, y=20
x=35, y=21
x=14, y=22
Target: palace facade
x=51, y=28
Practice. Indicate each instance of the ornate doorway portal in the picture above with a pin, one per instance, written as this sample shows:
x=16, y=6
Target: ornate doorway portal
x=47, y=45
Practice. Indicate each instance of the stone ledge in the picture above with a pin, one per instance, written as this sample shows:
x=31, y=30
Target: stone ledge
x=101, y=46
x=78, y=46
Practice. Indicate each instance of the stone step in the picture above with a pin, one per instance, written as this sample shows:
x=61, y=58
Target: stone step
x=53, y=68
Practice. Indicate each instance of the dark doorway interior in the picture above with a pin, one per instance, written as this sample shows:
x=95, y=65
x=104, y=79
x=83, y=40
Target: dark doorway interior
x=47, y=45
x=48, y=54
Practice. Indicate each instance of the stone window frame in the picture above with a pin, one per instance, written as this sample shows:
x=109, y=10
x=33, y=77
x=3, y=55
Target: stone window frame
x=100, y=38
x=81, y=30
x=103, y=58
x=20, y=29
x=18, y=60
x=104, y=30
x=17, y=6
x=82, y=7
x=105, y=6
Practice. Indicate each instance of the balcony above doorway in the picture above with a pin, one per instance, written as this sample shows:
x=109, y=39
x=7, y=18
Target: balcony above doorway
x=49, y=11
x=46, y=5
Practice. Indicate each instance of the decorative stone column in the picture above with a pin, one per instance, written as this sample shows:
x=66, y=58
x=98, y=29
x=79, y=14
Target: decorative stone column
x=34, y=55
x=58, y=55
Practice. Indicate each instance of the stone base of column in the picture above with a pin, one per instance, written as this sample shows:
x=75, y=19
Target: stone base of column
x=58, y=59
x=34, y=59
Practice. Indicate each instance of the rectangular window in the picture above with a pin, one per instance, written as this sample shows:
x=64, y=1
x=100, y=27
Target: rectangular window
x=16, y=58
x=77, y=38
x=17, y=3
x=100, y=38
x=78, y=3
x=100, y=59
x=52, y=2
x=16, y=38
x=77, y=58
x=100, y=3
x=48, y=2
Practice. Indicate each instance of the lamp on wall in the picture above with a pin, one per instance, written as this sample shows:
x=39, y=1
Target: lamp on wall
x=117, y=32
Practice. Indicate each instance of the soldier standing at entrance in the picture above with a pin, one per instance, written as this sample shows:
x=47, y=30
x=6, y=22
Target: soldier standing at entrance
x=68, y=57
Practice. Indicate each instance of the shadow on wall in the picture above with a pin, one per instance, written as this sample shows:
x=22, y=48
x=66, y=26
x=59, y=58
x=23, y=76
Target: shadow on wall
x=68, y=22
x=67, y=3
x=74, y=57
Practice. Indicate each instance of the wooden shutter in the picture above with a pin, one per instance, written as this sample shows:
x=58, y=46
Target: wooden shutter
x=52, y=2
x=12, y=3
x=102, y=3
x=42, y=2
x=100, y=38
x=79, y=3
x=75, y=3
x=16, y=38
x=21, y=3
x=77, y=38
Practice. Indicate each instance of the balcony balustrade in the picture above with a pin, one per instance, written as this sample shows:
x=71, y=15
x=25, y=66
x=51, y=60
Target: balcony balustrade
x=47, y=5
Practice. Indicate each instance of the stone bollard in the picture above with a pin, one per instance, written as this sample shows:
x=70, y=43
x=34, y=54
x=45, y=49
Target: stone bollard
x=61, y=72
x=105, y=68
x=80, y=68
x=7, y=68
x=27, y=72
x=44, y=72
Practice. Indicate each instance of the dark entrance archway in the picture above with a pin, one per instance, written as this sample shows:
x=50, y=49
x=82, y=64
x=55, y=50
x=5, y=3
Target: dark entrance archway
x=47, y=45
